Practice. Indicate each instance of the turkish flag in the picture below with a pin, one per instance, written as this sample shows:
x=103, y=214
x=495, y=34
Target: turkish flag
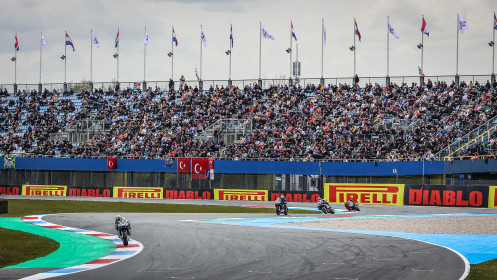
x=111, y=163
x=184, y=165
x=199, y=167
x=211, y=163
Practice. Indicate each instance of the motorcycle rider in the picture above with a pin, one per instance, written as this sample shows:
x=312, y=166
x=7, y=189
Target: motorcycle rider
x=322, y=202
x=349, y=204
x=120, y=219
x=281, y=201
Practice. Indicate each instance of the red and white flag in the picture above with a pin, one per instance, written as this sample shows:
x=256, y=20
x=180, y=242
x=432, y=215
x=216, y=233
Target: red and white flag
x=111, y=163
x=184, y=165
x=199, y=168
x=424, y=29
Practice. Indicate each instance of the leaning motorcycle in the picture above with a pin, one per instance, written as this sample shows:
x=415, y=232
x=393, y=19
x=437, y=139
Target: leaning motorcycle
x=123, y=227
x=327, y=209
x=281, y=208
x=354, y=207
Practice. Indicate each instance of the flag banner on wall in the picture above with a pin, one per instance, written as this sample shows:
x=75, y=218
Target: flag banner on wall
x=9, y=162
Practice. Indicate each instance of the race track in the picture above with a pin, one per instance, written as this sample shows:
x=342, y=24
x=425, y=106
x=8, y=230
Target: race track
x=175, y=247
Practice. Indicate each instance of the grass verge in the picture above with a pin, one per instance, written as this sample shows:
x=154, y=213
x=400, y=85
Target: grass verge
x=483, y=271
x=17, y=246
x=23, y=207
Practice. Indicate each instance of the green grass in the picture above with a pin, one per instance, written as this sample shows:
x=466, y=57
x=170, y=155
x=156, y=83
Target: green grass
x=483, y=271
x=23, y=207
x=17, y=246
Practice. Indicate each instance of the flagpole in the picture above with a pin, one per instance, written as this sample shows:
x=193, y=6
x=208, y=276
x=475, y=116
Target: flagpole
x=290, y=76
x=65, y=61
x=457, y=46
x=41, y=50
x=322, y=47
x=91, y=56
x=231, y=34
x=15, y=62
x=422, y=45
x=260, y=46
x=172, y=52
x=493, y=50
x=354, y=55
x=118, y=43
x=144, y=59
x=388, y=47
x=200, y=76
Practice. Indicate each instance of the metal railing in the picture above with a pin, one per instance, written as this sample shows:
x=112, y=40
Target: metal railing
x=228, y=129
x=266, y=82
x=469, y=138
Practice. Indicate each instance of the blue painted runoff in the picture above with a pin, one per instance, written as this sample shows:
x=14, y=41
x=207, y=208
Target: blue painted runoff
x=477, y=248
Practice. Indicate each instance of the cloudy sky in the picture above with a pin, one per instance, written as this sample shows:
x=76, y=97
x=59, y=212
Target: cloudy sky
x=30, y=17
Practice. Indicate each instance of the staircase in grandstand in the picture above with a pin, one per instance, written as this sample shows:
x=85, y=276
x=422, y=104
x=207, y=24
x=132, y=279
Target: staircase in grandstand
x=408, y=126
x=80, y=131
x=480, y=134
x=230, y=130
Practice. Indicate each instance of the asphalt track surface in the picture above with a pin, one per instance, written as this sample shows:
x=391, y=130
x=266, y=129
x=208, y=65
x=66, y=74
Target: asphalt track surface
x=179, y=249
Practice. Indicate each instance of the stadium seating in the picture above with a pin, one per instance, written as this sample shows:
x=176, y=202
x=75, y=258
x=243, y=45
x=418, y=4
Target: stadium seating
x=337, y=122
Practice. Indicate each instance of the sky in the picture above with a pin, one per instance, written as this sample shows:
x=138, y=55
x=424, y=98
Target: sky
x=28, y=18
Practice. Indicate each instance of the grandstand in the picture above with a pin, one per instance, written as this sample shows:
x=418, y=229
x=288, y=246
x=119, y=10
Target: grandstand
x=371, y=122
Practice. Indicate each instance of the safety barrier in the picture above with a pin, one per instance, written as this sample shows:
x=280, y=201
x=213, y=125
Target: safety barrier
x=378, y=194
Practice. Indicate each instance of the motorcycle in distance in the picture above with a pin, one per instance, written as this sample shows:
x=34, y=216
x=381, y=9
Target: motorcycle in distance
x=123, y=228
x=326, y=208
x=281, y=208
x=352, y=205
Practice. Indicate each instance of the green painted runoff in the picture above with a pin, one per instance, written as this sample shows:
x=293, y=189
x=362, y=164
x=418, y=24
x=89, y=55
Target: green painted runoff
x=75, y=248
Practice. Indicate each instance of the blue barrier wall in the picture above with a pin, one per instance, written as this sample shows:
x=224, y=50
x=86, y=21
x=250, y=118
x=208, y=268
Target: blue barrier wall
x=240, y=167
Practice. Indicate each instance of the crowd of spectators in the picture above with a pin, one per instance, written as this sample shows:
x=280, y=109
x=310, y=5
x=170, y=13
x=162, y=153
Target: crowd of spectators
x=334, y=122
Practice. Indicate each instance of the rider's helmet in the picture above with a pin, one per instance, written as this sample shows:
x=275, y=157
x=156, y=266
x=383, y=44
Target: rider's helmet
x=118, y=218
x=282, y=197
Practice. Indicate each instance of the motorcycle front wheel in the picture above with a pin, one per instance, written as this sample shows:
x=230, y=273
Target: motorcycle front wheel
x=125, y=238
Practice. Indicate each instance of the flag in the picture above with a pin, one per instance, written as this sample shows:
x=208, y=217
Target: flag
x=43, y=43
x=111, y=163
x=356, y=31
x=175, y=40
x=390, y=28
x=16, y=45
x=117, y=39
x=199, y=168
x=324, y=34
x=146, y=40
x=424, y=29
x=196, y=74
x=463, y=25
x=202, y=36
x=9, y=162
x=421, y=72
x=95, y=40
x=266, y=34
x=184, y=165
x=69, y=42
x=293, y=33
x=495, y=22
x=231, y=35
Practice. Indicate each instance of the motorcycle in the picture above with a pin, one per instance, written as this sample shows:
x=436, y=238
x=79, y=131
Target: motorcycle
x=281, y=208
x=326, y=208
x=354, y=207
x=123, y=228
